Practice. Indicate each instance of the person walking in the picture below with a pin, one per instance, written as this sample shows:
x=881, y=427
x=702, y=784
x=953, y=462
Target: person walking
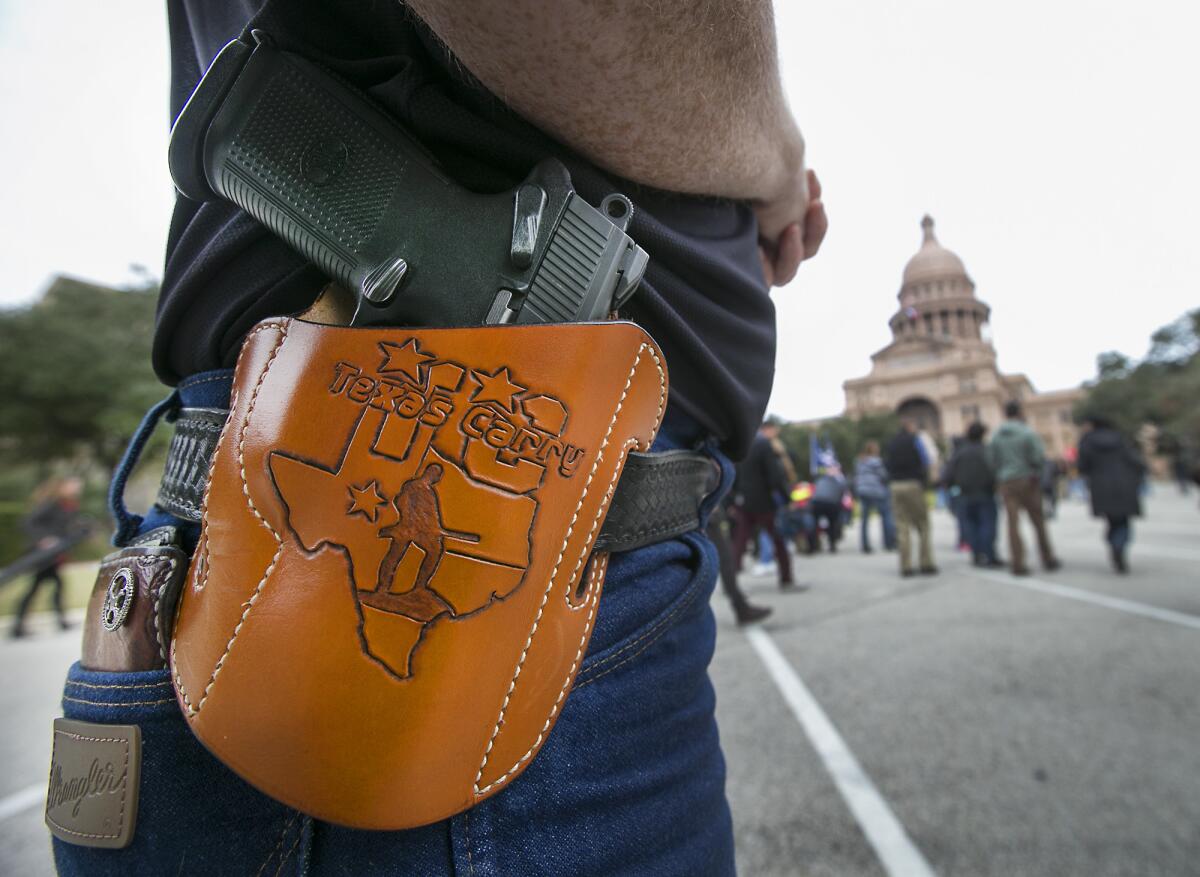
x=53, y=520
x=871, y=489
x=743, y=610
x=907, y=465
x=1052, y=473
x=760, y=479
x=1181, y=469
x=1017, y=456
x=766, y=548
x=828, y=492
x=971, y=473
x=1114, y=471
x=952, y=497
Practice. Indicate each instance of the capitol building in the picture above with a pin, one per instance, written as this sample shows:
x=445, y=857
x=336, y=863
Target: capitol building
x=940, y=367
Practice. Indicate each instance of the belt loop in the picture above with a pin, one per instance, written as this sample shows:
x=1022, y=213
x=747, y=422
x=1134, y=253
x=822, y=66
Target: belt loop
x=128, y=523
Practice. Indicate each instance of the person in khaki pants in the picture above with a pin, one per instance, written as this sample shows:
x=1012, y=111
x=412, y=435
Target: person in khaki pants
x=908, y=470
x=1017, y=456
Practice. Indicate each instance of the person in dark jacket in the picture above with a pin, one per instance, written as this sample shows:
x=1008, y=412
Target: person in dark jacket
x=829, y=490
x=1114, y=471
x=54, y=518
x=1052, y=473
x=761, y=487
x=909, y=471
x=953, y=496
x=970, y=471
x=871, y=490
x=744, y=611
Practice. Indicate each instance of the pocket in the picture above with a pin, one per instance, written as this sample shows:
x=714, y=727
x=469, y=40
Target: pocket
x=648, y=593
x=193, y=815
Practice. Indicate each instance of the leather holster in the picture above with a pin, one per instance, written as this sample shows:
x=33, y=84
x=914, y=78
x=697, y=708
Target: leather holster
x=395, y=585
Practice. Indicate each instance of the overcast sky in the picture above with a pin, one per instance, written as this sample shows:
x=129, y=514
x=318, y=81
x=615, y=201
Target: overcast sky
x=1056, y=144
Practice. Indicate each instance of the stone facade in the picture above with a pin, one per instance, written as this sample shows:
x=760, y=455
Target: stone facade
x=941, y=367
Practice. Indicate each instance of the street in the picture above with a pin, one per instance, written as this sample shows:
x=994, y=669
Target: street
x=965, y=724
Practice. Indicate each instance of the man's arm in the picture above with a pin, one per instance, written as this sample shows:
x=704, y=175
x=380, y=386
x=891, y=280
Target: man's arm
x=680, y=96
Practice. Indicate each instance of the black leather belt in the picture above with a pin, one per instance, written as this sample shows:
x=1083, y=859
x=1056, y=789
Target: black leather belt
x=658, y=497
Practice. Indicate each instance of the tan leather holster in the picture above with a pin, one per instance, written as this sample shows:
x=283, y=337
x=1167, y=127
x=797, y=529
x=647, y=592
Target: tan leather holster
x=394, y=585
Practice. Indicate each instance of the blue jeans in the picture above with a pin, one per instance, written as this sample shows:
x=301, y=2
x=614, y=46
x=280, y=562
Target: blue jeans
x=1119, y=532
x=979, y=526
x=766, y=551
x=882, y=505
x=630, y=781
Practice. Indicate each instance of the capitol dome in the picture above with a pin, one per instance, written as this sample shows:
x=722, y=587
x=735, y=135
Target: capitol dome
x=932, y=261
x=937, y=297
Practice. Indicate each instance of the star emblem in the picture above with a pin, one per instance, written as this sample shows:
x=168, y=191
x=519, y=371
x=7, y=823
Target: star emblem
x=497, y=387
x=406, y=358
x=366, y=501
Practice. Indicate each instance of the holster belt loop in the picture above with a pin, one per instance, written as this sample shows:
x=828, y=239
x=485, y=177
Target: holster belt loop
x=659, y=496
x=188, y=459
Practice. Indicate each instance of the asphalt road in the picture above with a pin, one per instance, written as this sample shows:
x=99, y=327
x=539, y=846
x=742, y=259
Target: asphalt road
x=962, y=724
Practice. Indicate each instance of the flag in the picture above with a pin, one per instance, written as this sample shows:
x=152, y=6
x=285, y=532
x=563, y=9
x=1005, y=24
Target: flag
x=820, y=456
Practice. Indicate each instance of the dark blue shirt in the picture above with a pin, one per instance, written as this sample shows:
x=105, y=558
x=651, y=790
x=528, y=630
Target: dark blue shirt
x=703, y=298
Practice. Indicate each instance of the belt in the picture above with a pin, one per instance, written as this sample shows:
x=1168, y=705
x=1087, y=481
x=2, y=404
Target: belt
x=658, y=497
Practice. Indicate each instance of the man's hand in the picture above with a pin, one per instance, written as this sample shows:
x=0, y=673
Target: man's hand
x=804, y=223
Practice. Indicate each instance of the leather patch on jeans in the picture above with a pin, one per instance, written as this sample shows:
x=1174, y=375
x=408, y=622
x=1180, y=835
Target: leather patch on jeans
x=394, y=585
x=127, y=626
x=94, y=773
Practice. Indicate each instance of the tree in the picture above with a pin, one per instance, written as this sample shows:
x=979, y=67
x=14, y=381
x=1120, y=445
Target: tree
x=846, y=434
x=1177, y=343
x=1162, y=390
x=75, y=373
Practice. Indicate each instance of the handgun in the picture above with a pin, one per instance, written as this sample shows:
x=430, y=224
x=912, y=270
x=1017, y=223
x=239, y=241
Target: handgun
x=324, y=168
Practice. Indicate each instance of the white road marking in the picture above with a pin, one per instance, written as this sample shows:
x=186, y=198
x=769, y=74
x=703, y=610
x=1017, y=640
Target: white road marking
x=1084, y=596
x=895, y=850
x=1139, y=549
x=19, y=802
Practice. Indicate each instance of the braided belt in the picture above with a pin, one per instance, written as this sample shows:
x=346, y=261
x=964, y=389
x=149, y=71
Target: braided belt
x=658, y=497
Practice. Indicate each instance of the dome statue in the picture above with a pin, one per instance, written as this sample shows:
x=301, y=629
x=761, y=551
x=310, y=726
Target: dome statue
x=937, y=296
x=933, y=261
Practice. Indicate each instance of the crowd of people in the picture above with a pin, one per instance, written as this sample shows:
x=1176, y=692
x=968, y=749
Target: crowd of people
x=770, y=508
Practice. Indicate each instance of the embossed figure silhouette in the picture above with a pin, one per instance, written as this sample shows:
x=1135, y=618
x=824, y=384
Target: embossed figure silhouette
x=420, y=524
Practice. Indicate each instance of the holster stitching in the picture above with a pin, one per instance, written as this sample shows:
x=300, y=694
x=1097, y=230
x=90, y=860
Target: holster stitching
x=283, y=331
x=598, y=570
x=158, y=592
x=550, y=585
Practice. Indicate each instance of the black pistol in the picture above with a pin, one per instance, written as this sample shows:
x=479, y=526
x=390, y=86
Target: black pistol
x=317, y=163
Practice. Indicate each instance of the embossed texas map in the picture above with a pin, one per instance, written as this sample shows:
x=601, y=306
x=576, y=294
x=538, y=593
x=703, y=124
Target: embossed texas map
x=429, y=430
